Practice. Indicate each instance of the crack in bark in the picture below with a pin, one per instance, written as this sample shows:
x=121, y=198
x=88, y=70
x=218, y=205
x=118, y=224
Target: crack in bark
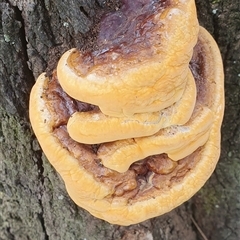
x=236, y=129
x=47, y=16
x=22, y=34
x=42, y=221
x=14, y=62
x=81, y=8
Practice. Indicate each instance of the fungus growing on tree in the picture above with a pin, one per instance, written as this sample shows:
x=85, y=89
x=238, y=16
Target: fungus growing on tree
x=133, y=128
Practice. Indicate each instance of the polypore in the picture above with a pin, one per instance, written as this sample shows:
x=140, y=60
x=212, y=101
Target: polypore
x=134, y=127
x=135, y=42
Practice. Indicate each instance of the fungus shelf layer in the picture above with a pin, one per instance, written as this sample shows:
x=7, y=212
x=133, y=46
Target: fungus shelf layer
x=145, y=74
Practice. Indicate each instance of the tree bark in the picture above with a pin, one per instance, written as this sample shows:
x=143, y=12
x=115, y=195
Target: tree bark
x=33, y=201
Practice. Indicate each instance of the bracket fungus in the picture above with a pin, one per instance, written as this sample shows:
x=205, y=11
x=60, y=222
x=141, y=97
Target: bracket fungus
x=133, y=128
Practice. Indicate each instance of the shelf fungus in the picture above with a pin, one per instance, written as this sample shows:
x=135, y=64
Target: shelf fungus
x=133, y=127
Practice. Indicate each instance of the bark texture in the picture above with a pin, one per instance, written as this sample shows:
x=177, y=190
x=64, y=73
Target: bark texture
x=33, y=200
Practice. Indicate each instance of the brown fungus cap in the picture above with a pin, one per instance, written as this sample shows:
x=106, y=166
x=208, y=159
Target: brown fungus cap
x=150, y=187
x=150, y=38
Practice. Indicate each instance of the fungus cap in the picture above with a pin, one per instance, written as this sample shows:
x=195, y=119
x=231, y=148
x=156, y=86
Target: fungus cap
x=162, y=52
x=93, y=127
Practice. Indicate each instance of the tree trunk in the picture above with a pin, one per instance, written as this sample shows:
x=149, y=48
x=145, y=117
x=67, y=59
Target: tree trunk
x=33, y=200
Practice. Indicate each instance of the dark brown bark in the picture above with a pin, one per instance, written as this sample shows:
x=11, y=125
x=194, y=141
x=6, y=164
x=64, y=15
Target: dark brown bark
x=33, y=200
